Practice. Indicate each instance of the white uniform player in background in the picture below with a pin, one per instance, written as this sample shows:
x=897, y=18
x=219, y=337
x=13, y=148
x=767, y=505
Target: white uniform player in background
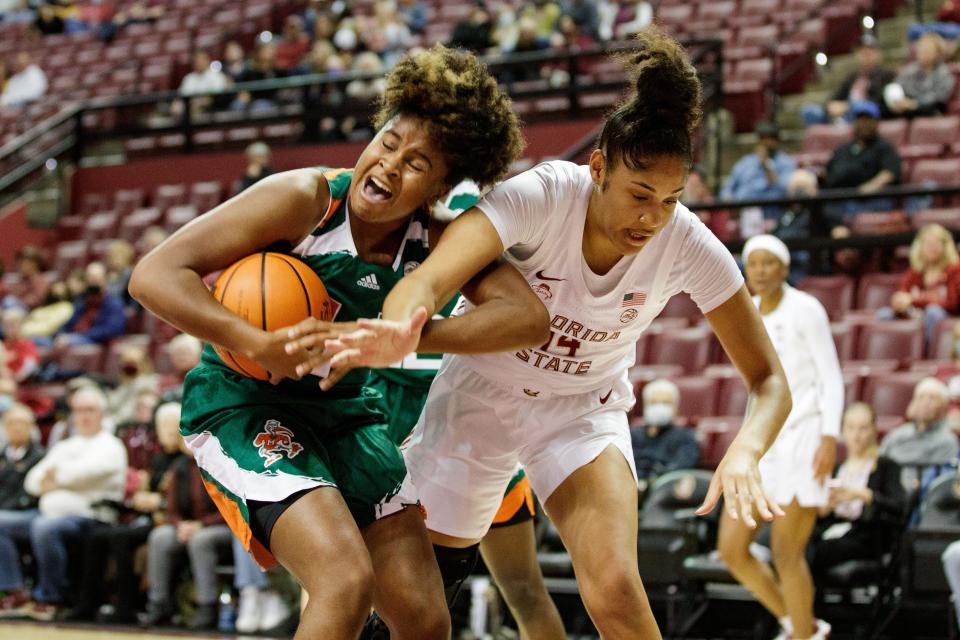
x=605, y=246
x=796, y=468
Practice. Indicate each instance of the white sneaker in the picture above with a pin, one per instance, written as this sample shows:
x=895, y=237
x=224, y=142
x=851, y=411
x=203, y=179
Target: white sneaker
x=786, y=629
x=273, y=610
x=822, y=632
x=249, y=610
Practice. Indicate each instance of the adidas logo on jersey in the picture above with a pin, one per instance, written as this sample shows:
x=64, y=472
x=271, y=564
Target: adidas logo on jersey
x=369, y=281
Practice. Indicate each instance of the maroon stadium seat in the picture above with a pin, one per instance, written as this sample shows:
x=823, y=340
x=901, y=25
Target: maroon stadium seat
x=126, y=200
x=681, y=306
x=835, y=293
x=943, y=171
x=876, y=289
x=169, y=195
x=134, y=224
x=948, y=217
x=698, y=396
x=715, y=434
x=941, y=347
x=764, y=35
x=206, y=195
x=83, y=357
x=895, y=131
x=733, y=397
x=844, y=339
x=101, y=226
x=70, y=228
x=178, y=216
x=825, y=137
x=689, y=348
x=892, y=339
x=889, y=394
x=938, y=130
x=70, y=255
x=640, y=375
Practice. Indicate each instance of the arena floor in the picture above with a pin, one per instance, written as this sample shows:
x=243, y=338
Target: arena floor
x=31, y=631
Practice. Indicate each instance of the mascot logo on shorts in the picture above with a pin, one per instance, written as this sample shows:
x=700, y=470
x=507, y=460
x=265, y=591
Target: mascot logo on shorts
x=276, y=441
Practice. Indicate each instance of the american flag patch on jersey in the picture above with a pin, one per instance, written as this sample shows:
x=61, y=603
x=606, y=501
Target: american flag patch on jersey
x=634, y=299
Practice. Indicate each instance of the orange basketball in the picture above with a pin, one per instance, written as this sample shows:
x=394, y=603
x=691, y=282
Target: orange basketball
x=270, y=291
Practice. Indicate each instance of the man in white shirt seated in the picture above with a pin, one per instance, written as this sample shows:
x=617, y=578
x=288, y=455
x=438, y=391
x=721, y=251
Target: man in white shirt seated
x=27, y=84
x=71, y=479
x=203, y=79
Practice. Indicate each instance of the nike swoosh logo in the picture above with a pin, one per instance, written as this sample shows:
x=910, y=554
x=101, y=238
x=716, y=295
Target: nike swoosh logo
x=603, y=399
x=540, y=276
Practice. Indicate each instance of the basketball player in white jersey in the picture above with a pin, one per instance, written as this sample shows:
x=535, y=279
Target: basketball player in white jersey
x=605, y=246
x=796, y=467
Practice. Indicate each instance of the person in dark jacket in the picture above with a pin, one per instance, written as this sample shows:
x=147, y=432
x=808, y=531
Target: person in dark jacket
x=17, y=507
x=98, y=314
x=193, y=524
x=867, y=501
x=866, y=82
x=659, y=445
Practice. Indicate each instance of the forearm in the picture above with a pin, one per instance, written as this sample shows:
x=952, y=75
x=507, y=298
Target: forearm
x=878, y=182
x=181, y=298
x=770, y=404
x=408, y=295
x=496, y=325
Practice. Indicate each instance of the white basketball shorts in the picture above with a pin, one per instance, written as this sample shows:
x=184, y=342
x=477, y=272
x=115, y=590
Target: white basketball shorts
x=787, y=468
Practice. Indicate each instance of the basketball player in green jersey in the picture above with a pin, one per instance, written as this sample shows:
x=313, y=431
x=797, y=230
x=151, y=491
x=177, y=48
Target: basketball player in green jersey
x=509, y=548
x=303, y=477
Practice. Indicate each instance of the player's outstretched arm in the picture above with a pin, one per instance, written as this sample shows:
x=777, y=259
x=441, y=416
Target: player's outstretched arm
x=168, y=281
x=738, y=325
x=507, y=315
x=468, y=245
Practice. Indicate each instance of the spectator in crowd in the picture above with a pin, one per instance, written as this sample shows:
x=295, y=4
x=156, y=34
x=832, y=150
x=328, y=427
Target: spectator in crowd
x=138, y=434
x=193, y=524
x=866, y=82
x=632, y=18
x=204, y=78
x=65, y=427
x=120, y=542
x=48, y=318
x=136, y=13
x=324, y=28
x=262, y=67
x=151, y=238
x=119, y=261
x=30, y=287
x=234, y=60
x=258, y=157
x=20, y=13
x=18, y=353
x=868, y=163
x=949, y=11
x=17, y=507
x=585, y=15
x=414, y=14
x=545, y=14
x=925, y=439
x=315, y=61
x=367, y=90
x=136, y=375
x=763, y=173
x=387, y=34
x=568, y=37
x=697, y=188
x=659, y=445
x=930, y=289
x=72, y=480
x=292, y=44
x=260, y=609
x=475, y=32
x=48, y=22
x=98, y=316
x=184, y=351
x=923, y=87
x=867, y=506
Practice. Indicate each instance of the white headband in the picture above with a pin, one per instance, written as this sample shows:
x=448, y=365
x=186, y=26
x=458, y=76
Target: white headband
x=769, y=243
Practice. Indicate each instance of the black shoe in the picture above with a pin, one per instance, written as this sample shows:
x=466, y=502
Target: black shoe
x=117, y=617
x=157, y=613
x=205, y=618
x=375, y=629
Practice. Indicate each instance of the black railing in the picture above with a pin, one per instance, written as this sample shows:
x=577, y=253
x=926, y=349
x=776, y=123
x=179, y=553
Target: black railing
x=72, y=132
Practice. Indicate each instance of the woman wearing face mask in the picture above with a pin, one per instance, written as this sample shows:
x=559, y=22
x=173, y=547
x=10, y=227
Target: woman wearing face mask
x=796, y=467
x=136, y=376
x=605, y=246
x=659, y=445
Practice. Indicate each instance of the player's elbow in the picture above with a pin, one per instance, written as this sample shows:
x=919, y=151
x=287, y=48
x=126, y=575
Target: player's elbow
x=143, y=280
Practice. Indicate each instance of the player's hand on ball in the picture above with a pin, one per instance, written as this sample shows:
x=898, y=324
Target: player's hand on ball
x=376, y=343
x=305, y=341
x=737, y=479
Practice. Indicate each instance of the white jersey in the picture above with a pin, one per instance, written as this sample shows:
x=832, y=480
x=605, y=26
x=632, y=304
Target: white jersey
x=595, y=320
x=800, y=332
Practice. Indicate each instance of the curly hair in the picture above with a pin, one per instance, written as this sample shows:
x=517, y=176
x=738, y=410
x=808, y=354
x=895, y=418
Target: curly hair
x=659, y=119
x=468, y=117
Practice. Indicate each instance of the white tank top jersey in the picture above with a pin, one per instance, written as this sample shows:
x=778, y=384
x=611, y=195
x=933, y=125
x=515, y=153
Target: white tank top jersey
x=595, y=320
x=800, y=332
